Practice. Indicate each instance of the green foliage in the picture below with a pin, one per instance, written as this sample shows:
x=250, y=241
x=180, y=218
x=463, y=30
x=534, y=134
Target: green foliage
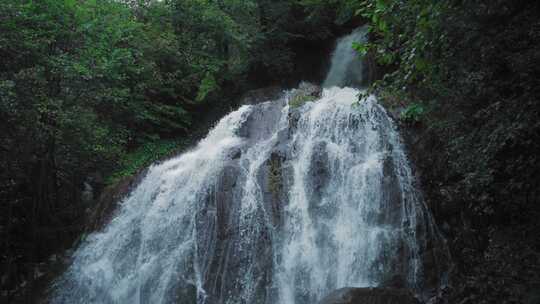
x=143, y=156
x=407, y=36
x=361, y=48
x=96, y=90
x=208, y=84
x=299, y=100
x=413, y=113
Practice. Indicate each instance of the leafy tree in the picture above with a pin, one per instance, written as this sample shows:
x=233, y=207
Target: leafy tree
x=92, y=91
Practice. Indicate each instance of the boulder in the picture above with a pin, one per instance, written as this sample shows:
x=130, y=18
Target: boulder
x=370, y=296
x=304, y=93
x=310, y=89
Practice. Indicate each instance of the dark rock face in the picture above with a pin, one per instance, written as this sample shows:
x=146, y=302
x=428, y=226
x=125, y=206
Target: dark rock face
x=370, y=296
x=261, y=95
x=310, y=89
x=100, y=214
x=272, y=181
x=306, y=91
x=494, y=248
x=260, y=124
x=318, y=171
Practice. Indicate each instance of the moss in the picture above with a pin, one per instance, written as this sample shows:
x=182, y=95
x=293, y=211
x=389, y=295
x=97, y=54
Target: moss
x=275, y=182
x=299, y=100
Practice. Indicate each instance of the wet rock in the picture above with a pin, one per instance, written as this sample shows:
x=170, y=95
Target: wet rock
x=261, y=95
x=370, y=296
x=293, y=118
x=282, y=145
x=260, y=123
x=310, y=89
x=186, y=295
x=304, y=93
x=396, y=281
x=236, y=154
x=392, y=197
x=318, y=171
x=271, y=181
x=103, y=209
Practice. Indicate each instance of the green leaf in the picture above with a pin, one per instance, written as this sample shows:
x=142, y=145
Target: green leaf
x=208, y=84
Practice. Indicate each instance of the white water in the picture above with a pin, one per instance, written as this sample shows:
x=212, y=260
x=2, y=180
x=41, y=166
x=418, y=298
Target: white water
x=346, y=68
x=275, y=205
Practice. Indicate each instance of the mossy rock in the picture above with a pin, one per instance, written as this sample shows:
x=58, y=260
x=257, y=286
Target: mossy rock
x=299, y=100
x=275, y=182
x=306, y=92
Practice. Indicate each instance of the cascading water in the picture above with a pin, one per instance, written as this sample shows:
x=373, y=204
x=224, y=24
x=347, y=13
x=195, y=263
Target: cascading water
x=345, y=68
x=278, y=204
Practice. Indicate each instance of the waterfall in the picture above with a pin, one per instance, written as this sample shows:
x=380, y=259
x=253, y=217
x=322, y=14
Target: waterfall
x=281, y=203
x=346, y=69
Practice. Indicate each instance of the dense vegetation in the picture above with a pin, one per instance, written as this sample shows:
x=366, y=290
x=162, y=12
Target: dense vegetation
x=465, y=76
x=92, y=91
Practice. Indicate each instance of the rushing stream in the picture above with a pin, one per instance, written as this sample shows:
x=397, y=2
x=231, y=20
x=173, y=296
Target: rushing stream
x=278, y=204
